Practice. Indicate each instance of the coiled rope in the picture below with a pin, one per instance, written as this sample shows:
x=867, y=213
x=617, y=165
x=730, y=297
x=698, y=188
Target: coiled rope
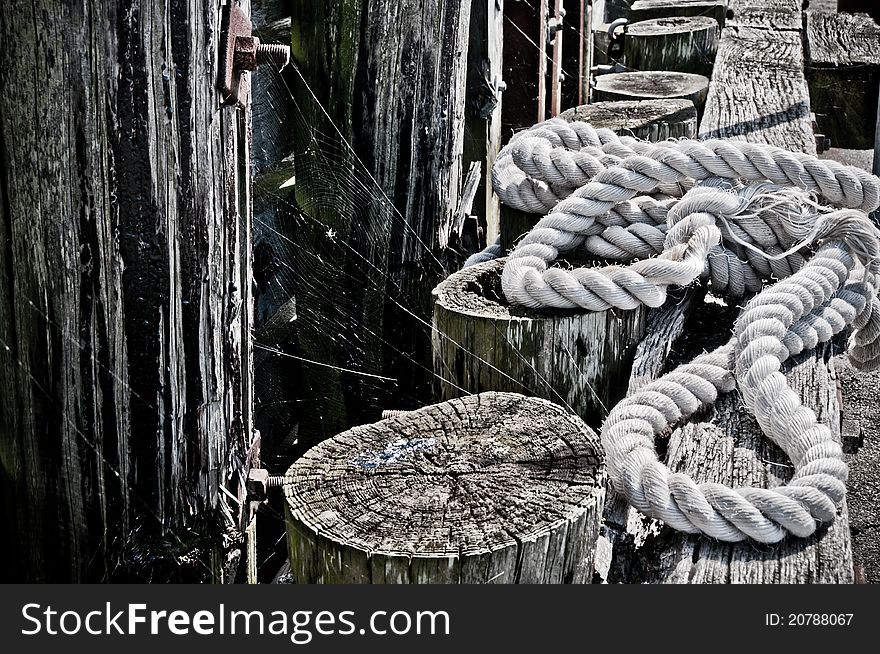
x=740, y=214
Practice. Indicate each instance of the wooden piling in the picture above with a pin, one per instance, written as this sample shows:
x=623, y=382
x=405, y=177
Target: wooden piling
x=490, y=488
x=650, y=120
x=682, y=44
x=843, y=73
x=653, y=85
x=650, y=9
x=125, y=294
x=577, y=359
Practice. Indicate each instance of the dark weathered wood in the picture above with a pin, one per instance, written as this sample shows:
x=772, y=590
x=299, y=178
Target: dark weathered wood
x=843, y=74
x=758, y=91
x=615, y=9
x=652, y=85
x=485, y=88
x=650, y=120
x=860, y=427
x=125, y=293
x=378, y=167
x=521, y=63
x=490, y=488
x=578, y=360
x=685, y=45
x=877, y=141
x=650, y=9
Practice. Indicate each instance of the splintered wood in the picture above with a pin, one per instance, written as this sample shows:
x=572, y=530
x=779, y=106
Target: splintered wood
x=490, y=488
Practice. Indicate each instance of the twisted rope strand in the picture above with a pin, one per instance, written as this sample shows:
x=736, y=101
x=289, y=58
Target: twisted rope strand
x=737, y=236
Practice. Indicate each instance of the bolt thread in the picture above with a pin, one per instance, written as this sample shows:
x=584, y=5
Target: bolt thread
x=273, y=53
x=275, y=481
x=390, y=413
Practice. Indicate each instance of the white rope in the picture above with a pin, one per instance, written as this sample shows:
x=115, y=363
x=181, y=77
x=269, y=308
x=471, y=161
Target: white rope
x=740, y=236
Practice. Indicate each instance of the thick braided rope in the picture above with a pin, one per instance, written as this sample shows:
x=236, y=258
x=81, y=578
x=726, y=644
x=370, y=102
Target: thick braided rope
x=489, y=253
x=527, y=279
x=816, y=299
x=796, y=314
x=545, y=164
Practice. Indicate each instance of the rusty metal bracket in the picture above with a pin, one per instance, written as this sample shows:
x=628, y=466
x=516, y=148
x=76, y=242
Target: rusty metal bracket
x=240, y=52
x=235, y=24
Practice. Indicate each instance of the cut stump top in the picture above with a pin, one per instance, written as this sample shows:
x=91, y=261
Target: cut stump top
x=630, y=115
x=671, y=25
x=652, y=84
x=455, y=479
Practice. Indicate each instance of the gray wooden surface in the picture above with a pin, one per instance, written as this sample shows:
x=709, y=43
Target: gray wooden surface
x=843, y=73
x=759, y=91
x=490, y=488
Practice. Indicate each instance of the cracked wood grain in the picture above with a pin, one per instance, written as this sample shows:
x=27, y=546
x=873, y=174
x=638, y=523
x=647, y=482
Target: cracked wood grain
x=489, y=488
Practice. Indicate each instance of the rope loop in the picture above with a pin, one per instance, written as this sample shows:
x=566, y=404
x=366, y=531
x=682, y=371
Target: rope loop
x=785, y=228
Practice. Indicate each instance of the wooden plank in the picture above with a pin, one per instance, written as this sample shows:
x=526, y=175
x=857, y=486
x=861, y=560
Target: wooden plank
x=724, y=444
x=843, y=73
x=556, y=69
x=522, y=21
x=877, y=141
x=125, y=293
x=485, y=87
x=758, y=90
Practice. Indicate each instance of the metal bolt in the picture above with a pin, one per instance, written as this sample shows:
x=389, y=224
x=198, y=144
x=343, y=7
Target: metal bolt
x=273, y=53
x=250, y=53
x=275, y=481
x=258, y=483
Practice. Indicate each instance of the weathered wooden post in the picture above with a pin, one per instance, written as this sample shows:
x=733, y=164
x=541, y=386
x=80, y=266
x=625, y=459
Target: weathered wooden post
x=653, y=85
x=650, y=120
x=877, y=140
x=650, y=9
x=682, y=44
x=125, y=293
x=490, y=488
x=482, y=125
x=577, y=359
x=378, y=166
x=843, y=73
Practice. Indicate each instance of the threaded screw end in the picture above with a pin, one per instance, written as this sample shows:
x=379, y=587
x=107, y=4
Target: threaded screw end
x=273, y=53
x=275, y=481
x=390, y=413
